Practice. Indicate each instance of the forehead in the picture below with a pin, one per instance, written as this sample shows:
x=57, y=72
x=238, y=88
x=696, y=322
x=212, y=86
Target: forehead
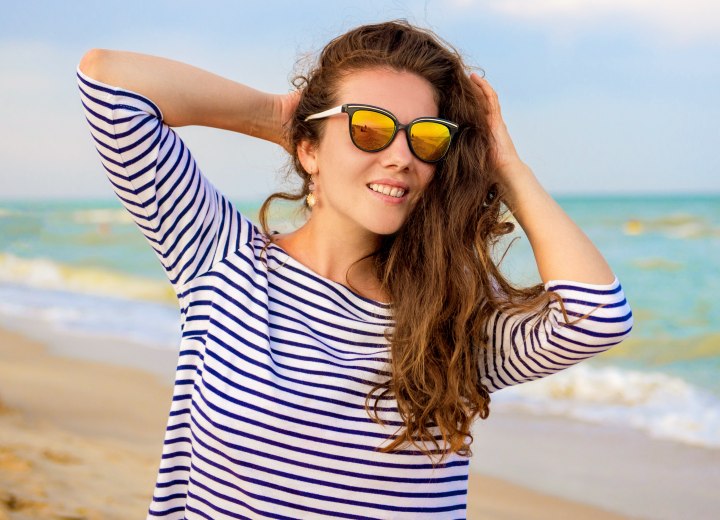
x=405, y=94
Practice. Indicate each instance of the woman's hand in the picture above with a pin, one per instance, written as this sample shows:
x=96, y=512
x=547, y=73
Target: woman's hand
x=562, y=251
x=505, y=157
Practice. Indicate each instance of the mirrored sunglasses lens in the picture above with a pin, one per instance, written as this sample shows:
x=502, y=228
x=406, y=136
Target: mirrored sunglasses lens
x=371, y=131
x=430, y=140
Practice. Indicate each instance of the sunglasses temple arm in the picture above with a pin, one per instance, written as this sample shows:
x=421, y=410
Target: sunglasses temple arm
x=326, y=113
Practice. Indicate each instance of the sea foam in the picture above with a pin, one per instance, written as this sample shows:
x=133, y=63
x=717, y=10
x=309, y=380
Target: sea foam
x=663, y=406
x=49, y=274
x=150, y=324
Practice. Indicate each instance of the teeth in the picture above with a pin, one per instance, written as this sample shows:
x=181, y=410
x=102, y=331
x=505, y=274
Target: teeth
x=387, y=190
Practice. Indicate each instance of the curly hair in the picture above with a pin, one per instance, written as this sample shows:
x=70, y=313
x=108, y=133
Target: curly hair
x=437, y=268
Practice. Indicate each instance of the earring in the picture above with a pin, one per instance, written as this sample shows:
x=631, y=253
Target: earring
x=311, y=200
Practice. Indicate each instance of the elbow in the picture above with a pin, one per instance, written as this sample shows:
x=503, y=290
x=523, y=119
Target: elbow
x=620, y=323
x=93, y=63
x=616, y=330
x=617, y=334
x=626, y=326
x=595, y=333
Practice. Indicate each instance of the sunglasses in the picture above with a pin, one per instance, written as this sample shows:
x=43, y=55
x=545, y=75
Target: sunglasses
x=373, y=129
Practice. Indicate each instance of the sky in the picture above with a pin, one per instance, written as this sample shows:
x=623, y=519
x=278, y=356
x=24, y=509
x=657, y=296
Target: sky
x=600, y=96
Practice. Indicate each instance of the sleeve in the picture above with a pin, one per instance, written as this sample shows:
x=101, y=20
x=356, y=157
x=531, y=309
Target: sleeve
x=188, y=223
x=524, y=347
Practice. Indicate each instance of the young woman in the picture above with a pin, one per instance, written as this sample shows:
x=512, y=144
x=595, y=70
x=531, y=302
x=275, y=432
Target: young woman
x=335, y=371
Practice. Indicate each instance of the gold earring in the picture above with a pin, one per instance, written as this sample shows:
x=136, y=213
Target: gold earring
x=311, y=200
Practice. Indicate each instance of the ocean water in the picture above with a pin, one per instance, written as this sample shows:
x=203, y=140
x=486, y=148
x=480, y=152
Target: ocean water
x=82, y=266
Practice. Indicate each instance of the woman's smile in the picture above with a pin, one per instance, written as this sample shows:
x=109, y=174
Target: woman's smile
x=389, y=191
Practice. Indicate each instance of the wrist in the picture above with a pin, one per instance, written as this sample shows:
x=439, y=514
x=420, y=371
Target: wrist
x=256, y=115
x=511, y=168
x=273, y=112
x=266, y=124
x=517, y=179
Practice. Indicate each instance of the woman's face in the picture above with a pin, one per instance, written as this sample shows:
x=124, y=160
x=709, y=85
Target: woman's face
x=345, y=173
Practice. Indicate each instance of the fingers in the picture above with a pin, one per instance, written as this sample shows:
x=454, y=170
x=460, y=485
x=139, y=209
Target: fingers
x=487, y=92
x=504, y=149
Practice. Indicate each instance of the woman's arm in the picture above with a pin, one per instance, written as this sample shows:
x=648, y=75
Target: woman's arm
x=187, y=95
x=190, y=225
x=562, y=251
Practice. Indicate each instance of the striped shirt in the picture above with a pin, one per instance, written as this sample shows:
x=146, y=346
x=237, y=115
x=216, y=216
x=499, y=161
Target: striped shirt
x=275, y=361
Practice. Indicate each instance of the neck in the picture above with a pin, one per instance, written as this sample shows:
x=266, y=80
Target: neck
x=331, y=249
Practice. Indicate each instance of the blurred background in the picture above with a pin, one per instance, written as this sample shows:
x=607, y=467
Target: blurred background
x=614, y=104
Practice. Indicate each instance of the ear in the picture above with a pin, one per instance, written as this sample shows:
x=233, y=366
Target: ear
x=307, y=153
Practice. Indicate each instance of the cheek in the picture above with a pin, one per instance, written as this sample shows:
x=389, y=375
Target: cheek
x=334, y=148
x=338, y=157
x=426, y=173
x=335, y=135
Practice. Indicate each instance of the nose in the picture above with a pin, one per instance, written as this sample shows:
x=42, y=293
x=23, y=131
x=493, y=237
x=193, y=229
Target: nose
x=398, y=154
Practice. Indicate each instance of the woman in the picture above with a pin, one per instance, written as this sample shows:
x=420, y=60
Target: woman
x=335, y=371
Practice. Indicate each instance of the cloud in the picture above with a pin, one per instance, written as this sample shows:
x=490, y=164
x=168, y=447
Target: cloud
x=671, y=21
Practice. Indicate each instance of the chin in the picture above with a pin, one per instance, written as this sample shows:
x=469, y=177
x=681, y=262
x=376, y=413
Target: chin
x=385, y=228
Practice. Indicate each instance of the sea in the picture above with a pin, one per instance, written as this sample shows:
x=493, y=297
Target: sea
x=82, y=267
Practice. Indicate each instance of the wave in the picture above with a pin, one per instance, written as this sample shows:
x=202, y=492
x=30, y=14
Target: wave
x=31, y=309
x=102, y=216
x=4, y=212
x=676, y=225
x=663, y=406
x=658, y=264
x=49, y=274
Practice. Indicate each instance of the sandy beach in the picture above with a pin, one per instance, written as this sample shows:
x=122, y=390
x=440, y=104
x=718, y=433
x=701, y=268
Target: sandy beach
x=78, y=439
x=81, y=439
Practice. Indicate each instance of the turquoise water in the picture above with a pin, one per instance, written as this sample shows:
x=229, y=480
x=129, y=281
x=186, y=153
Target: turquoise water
x=84, y=265
x=665, y=251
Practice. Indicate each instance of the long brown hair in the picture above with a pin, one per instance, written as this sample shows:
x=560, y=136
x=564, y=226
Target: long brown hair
x=437, y=268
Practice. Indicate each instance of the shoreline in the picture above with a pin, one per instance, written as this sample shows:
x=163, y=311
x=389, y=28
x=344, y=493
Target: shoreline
x=64, y=421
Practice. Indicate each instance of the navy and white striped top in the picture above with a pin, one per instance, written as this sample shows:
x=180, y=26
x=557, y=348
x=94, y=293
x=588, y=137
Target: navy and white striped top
x=275, y=361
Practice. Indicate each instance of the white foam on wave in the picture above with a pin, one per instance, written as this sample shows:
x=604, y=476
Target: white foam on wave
x=49, y=274
x=663, y=406
x=675, y=226
x=5, y=212
x=151, y=324
x=102, y=216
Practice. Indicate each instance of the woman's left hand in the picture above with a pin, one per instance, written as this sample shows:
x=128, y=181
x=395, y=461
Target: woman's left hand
x=505, y=157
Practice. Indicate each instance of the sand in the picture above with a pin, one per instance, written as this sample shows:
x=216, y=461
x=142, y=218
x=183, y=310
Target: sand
x=613, y=467
x=71, y=449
